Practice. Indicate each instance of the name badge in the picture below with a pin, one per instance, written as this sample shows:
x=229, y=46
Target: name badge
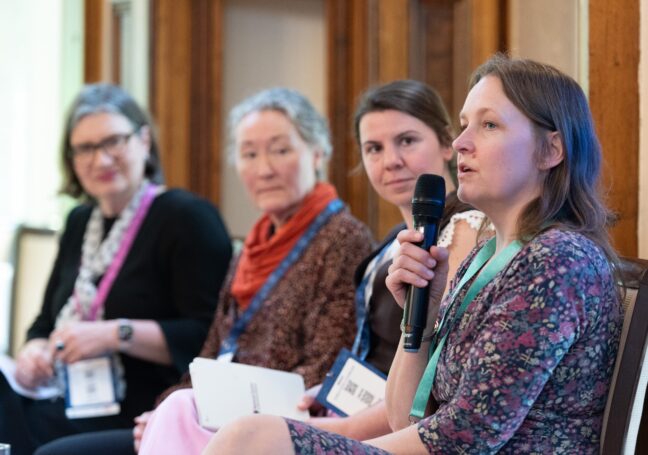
x=352, y=385
x=90, y=389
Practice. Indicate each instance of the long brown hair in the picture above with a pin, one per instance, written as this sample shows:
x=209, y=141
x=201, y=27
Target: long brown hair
x=571, y=194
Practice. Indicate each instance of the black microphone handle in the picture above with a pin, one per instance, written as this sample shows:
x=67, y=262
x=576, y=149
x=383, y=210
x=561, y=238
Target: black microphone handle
x=416, y=303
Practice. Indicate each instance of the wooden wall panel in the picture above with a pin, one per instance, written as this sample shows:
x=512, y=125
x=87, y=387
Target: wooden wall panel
x=186, y=92
x=363, y=74
x=172, y=75
x=431, y=46
x=393, y=64
x=449, y=39
x=116, y=46
x=377, y=41
x=478, y=33
x=367, y=44
x=614, y=99
x=393, y=40
x=487, y=25
x=93, y=40
x=206, y=97
x=338, y=22
x=349, y=74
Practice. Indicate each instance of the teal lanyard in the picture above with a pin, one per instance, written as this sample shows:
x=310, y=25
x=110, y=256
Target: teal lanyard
x=493, y=268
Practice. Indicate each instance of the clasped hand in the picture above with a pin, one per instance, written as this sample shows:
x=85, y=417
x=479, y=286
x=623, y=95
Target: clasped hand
x=83, y=340
x=75, y=341
x=413, y=266
x=34, y=364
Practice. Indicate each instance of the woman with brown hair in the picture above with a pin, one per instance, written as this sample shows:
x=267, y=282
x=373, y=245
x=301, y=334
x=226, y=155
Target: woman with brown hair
x=519, y=353
x=402, y=130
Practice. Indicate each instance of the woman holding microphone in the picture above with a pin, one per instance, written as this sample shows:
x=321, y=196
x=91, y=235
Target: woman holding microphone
x=522, y=355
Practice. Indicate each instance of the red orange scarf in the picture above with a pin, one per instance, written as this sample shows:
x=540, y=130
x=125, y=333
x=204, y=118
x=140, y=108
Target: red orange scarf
x=263, y=251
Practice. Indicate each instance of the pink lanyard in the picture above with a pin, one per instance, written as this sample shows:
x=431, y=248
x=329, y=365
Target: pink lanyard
x=129, y=236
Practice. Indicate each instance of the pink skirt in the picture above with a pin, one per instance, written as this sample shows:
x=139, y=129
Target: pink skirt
x=173, y=428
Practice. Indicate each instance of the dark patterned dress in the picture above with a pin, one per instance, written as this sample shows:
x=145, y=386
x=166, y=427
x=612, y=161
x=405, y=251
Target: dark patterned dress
x=308, y=440
x=527, y=369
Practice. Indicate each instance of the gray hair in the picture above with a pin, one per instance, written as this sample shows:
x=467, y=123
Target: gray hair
x=112, y=99
x=311, y=125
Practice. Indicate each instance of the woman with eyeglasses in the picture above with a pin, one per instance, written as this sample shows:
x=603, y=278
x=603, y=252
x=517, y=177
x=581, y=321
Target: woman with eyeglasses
x=135, y=284
x=287, y=301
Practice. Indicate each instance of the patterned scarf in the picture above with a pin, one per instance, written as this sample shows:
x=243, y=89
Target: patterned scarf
x=263, y=251
x=96, y=257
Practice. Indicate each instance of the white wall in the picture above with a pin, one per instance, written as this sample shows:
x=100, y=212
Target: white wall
x=268, y=44
x=552, y=31
x=41, y=47
x=135, y=46
x=40, y=44
x=30, y=81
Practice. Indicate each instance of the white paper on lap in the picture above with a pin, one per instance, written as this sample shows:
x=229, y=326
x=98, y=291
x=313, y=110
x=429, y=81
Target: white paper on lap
x=225, y=391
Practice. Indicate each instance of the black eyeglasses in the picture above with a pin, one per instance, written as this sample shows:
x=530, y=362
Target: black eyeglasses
x=114, y=145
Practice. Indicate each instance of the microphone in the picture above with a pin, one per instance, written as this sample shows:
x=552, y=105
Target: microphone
x=428, y=203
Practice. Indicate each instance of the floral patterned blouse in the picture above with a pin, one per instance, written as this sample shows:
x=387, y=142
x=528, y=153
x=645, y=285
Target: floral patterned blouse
x=527, y=369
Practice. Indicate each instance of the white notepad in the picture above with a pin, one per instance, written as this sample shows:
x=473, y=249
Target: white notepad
x=225, y=391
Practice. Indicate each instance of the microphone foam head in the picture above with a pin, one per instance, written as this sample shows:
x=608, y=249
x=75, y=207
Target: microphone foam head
x=429, y=196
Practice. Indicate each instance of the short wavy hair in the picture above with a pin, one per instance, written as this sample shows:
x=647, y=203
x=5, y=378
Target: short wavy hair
x=106, y=98
x=310, y=124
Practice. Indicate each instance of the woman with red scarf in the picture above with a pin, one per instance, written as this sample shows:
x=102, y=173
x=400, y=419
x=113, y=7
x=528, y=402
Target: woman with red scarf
x=288, y=300
x=288, y=304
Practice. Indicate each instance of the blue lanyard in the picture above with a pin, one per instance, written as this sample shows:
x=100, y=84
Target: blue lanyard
x=498, y=263
x=363, y=337
x=230, y=345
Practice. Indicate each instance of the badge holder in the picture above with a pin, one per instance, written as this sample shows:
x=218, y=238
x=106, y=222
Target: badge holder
x=227, y=351
x=91, y=388
x=352, y=385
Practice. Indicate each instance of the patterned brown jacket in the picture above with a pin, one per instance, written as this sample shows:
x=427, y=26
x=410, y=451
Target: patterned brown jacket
x=310, y=314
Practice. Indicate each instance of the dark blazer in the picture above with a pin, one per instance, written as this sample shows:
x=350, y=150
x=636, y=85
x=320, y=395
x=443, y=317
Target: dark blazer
x=384, y=313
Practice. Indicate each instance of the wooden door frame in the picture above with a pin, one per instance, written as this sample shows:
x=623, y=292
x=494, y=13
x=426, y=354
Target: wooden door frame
x=186, y=91
x=614, y=100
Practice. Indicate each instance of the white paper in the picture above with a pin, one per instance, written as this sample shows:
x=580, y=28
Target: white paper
x=8, y=368
x=225, y=391
x=356, y=388
x=90, y=382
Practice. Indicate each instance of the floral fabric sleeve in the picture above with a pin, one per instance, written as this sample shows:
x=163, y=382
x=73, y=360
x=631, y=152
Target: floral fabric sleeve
x=528, y=366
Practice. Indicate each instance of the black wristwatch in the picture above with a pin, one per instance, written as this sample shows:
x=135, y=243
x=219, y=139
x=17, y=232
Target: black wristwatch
x=124, y=333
